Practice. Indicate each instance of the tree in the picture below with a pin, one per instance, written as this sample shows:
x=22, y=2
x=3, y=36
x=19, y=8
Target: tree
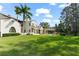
x=69, y=17
x=66, y=19
x=75, y=14
x=61, y=29
x=17, y=11
x=23, y=10
x=45, y=25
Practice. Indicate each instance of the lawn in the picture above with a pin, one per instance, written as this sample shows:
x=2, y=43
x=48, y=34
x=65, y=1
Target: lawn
x=39, y=45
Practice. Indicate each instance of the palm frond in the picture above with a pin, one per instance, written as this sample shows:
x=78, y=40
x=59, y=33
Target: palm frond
x=17, y=10
x=29, y=13
x=28, y=16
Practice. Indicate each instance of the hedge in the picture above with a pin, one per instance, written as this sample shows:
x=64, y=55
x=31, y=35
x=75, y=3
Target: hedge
x=10, y=34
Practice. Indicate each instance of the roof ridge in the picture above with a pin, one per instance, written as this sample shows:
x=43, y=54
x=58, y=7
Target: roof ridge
x=9, y=16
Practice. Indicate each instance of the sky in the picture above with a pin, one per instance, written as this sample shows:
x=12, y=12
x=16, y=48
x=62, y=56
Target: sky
x=42, y=12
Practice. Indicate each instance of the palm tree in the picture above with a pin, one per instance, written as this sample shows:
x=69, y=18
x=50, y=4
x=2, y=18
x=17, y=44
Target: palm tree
x=17, y=10
x=23, y=10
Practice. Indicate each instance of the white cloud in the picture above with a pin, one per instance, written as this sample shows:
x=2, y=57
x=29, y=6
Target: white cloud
x=42, y=11
x=64, y=5
x=56, y=21
x=52, y=22
x=61, y=5
x=48, y=16
x=46, y=20
x=1, y=7
x=36, y=14
x=53, y=4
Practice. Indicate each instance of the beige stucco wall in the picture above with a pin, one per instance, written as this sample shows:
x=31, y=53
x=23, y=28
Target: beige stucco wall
x=6, y=24
x=27, y=26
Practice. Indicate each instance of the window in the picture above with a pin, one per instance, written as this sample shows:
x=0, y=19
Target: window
x=12, y=29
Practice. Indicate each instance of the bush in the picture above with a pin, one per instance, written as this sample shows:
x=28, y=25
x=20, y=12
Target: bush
x=10, y=34
x=63, y=34
x=29, y=34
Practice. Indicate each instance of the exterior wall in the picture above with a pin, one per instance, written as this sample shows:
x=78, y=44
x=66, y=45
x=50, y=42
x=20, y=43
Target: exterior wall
x=35, y=29
x=27, y=26
x=49, y=30
x=41, y=30
x=6, y=24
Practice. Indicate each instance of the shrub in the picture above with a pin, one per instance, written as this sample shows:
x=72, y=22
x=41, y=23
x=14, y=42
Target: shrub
x=10, y=34
x=29, y=34
x=63, y=34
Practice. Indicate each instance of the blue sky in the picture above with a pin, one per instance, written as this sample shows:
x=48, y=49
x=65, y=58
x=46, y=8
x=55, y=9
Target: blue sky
x=42, y=12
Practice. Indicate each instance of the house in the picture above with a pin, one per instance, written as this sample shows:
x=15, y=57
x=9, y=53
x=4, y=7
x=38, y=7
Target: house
x=35, y=28
x=50, y=30
x=10, y=24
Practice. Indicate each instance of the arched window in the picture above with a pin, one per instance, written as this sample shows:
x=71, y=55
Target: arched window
x=12, y=29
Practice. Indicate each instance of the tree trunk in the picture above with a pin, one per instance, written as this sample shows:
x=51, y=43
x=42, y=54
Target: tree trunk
x=23, y=23
x=17, y=17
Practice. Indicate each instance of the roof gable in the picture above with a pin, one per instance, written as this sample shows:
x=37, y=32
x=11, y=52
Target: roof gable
x=3, y=16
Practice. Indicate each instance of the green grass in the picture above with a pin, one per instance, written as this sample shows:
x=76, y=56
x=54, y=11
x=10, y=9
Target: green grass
x=39, y=45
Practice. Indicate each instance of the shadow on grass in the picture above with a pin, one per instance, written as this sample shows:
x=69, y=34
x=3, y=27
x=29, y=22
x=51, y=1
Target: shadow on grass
x=35, y=48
